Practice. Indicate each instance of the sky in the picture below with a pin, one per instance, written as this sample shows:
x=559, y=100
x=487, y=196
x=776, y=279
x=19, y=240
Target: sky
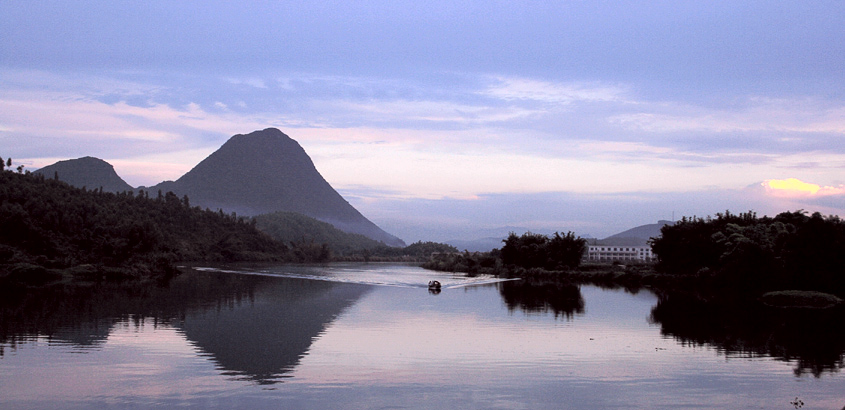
x=445, y=120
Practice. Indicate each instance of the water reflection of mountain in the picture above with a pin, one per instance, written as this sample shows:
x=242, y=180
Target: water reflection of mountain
x=266, y=336
x=812, y=339
x=561, y=298
x=254, y=327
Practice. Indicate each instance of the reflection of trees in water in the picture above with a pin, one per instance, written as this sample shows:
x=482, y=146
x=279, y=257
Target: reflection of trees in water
x=560, y=297
x=254, y=327
x=812, y=339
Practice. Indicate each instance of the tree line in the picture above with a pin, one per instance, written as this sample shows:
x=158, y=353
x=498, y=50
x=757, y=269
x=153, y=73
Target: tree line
x=518, y=254
x=792, y=250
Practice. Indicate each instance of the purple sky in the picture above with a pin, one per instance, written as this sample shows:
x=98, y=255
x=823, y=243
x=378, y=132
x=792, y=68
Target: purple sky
x=440, y=120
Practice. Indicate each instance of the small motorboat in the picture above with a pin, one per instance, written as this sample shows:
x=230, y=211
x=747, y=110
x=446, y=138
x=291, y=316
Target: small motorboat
x=433, y=285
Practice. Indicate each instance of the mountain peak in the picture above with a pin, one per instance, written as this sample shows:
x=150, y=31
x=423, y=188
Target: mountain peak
x=637, y=236
x=265, y=136
x=267, y=171
x=87, y=172
x=251, y=174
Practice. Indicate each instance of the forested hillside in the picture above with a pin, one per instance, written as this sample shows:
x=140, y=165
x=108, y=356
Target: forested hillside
x=49, y=228
x=295, y=228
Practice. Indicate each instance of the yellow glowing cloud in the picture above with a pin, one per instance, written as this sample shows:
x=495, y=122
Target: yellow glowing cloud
x=796, y=187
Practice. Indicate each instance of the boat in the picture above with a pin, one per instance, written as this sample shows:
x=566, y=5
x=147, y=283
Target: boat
x=433, y=285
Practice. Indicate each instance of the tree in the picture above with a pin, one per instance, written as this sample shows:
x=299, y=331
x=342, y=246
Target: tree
x=566, y=250
x=527, y=251
x=539, y=251
x=791, y=250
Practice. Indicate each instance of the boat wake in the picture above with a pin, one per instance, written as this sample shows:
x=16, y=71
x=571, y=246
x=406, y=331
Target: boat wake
x=406, y=276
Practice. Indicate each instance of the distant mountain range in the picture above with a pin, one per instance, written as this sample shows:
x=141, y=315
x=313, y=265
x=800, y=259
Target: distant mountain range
x=637, y=236
x=258, y=173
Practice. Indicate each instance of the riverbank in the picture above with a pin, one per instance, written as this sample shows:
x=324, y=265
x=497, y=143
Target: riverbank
x=630, y=277
x=643, y=276
x=28, y=275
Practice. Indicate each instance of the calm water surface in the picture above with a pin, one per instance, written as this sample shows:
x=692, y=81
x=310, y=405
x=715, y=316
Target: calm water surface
x=371, y=336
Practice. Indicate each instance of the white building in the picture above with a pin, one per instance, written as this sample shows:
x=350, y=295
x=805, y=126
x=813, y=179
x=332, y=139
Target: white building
x=615, y=253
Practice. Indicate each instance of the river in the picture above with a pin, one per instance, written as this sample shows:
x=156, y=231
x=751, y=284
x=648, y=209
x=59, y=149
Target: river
x=372, y=336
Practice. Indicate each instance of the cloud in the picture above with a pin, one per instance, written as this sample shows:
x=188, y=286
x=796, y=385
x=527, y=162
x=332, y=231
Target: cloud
x=252, y=82
x=510, y=89
x=421, y=114
x=793, y=187
x=482, y=154
x=749, y=123
x=587, y=214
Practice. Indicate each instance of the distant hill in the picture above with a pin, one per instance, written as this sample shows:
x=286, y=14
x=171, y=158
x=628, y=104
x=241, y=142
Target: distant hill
x=267, y=171
x=637, y=236
x=92, y=173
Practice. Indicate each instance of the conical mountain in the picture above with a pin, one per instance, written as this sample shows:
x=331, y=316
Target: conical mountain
x=89, y=172
x=637, y=236
x=267, y=171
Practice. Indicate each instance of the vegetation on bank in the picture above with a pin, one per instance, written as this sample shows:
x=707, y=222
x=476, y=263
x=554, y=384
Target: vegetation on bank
x=518, y=255
x=416, y=252
x=726, y=253
x=558, y=252
x=49, y=229
x=793, y=250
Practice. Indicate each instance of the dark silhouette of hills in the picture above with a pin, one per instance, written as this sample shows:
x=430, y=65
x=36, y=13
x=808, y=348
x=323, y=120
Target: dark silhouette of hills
x=89, y=172
x=267, y=171
x=258, y=173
